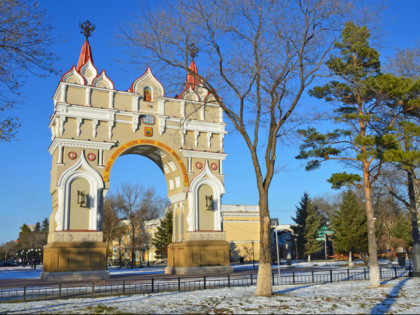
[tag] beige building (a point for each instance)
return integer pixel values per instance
(241, 223)
(145, 252)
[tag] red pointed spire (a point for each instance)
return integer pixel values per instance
(85, 55)
(191, 80)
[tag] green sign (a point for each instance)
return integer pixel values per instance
(320, 239)
(322, 233)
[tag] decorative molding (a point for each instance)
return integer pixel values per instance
(83, 144)
(79, 122)
(203, 155)
(73, 73)
(190, 215)
(206, 177)
(147, 75)
(103, 78)
(178, 197)
(62, 121)
(196, 135)
(236, 214)
(209, 136)
(88, 96)
(135, 103)
(111, 125)
(135, 123)
(111, 97)
(161, 106)
(95, 123)
(162, 124)
(80, 169)
(89, 71)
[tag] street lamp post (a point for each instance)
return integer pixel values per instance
(253, 260)
(297, 254)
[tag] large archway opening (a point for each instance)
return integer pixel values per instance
(134, 170)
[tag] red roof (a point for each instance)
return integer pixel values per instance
(191, 80)
(85, 55)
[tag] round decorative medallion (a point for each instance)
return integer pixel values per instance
(199, 165)
(91, 156)
(213, 166)
(72, 155)
(87, 73)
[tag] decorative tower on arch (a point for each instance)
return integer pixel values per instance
(92, 125)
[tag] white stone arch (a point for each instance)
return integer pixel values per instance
(81, 169)
(206, 177)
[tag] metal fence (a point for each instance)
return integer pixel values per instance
(52, 291)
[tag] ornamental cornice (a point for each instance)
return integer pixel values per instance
(85, 112)
(83, 144)
(203, 155)
(227, 214)
(180, 100)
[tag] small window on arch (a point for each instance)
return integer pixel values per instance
(147, 94)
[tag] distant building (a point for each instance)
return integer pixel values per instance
(241, 223)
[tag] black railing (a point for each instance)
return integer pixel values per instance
(52, 291)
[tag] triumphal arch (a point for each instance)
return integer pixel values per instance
(92, 125)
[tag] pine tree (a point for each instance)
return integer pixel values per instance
(45, 225)
(299, 228)
(402, 229)
(366, 108)
(163, 237)
(349, 226)
(313, 224)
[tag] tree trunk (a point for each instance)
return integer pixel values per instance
(414, 223)
(264, 281)
(372, 247)
(132, 247)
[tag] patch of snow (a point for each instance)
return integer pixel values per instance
(393, 296)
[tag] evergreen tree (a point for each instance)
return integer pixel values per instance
(366, 108)
(24, 236)
(163, 237)
(300, 219)
(45, 225)
(313, 224)
(37, 227)
(349, 226)
(402, 229)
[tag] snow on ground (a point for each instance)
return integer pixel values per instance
(352, 297)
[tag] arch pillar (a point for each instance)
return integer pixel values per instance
(75, 249)
(202, 246)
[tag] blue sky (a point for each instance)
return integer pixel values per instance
(25, 164)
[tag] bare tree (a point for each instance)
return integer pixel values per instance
(405, 63)
(24, 48)
(138, 204)
(111, 221)
(259, 57)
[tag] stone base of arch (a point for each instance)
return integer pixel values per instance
(198, 257)
(74, 261)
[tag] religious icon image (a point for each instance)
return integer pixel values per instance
(147, 94)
